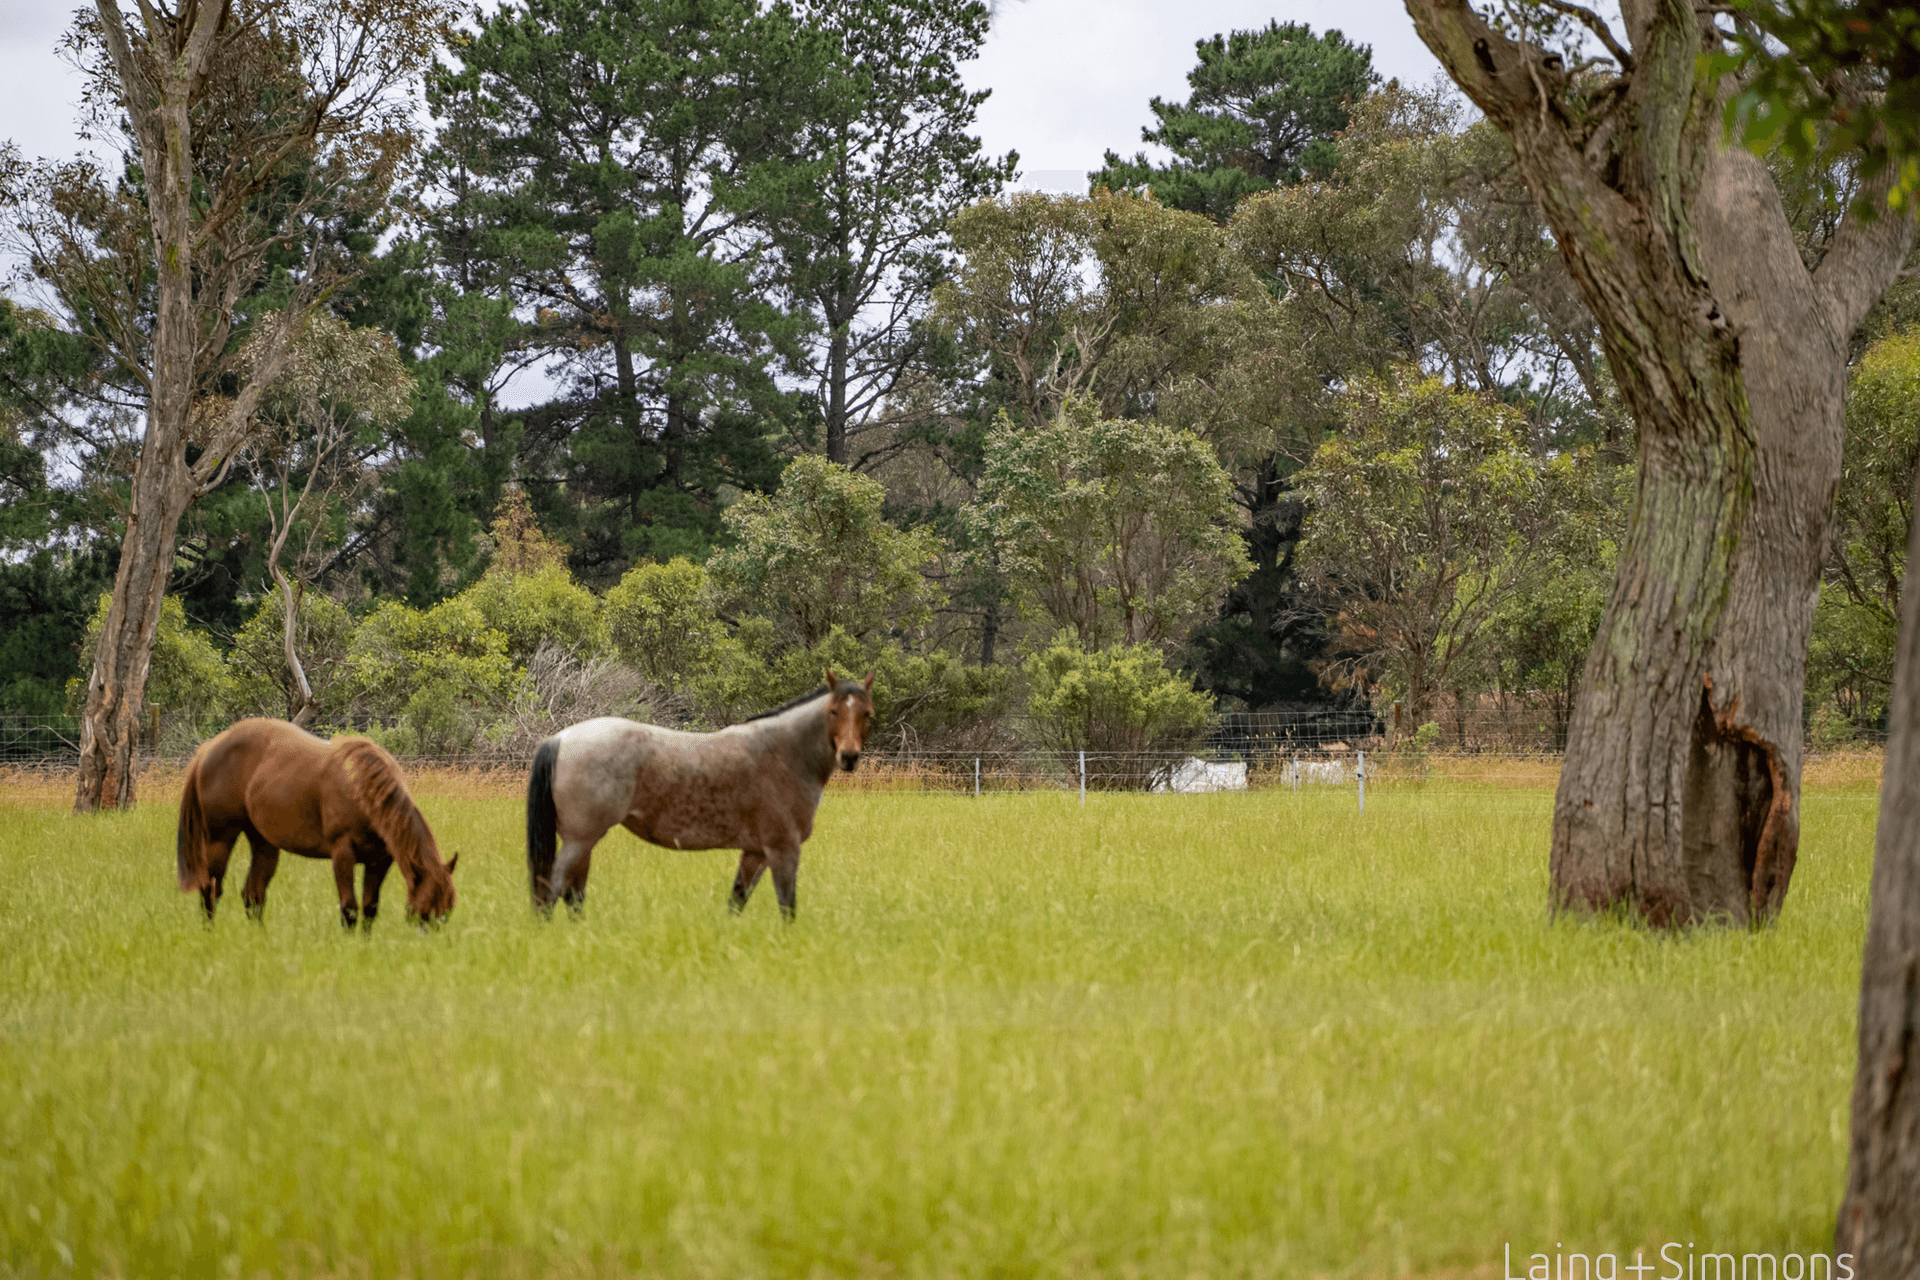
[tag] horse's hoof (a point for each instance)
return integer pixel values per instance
(348, 918)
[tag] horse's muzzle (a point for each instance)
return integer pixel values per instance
(848, 759)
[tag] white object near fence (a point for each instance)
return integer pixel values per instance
(976, 777)
(1360, 776)
(1195, 775)
(1331, 772)
(1083, 779)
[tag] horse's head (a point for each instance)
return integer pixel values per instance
(430, 893)
(849, 707)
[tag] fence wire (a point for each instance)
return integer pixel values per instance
(1308, 753)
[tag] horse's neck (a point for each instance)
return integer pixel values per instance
(802, 733)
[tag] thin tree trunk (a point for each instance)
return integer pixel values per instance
(1679, 799)
(1880, 1214)
(836, 408)
(307, 706)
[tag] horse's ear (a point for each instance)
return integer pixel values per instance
(833, 682)
(869, 682)
(452, 862)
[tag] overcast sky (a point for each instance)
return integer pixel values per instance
(1070, 78)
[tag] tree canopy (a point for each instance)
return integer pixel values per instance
(1265, 108)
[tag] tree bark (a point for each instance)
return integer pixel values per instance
(308, 706)
(836, 406)
(163, 484)
(1679, 798)
(203, 263)
(116, 687)
(1880, 1214)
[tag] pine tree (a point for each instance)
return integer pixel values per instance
(1264, 110)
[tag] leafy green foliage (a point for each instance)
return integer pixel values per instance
(625, 159)
(1429, 515)
(1824, 79)
(1115, 529)
(930, 699)
(819, 554)
(895, 161)
(1118, 699)
(431, 673)
(262, 685)
(1850, 665)
(1265, 109)
(188, 686)
(658, 620)
(1112, 296)
(543, 606)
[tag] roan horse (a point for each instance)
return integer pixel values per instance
(288, 790)
(752, 787)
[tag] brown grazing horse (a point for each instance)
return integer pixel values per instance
(286, 789)
(752, 787)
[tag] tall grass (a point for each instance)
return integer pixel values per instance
(1227, 1035)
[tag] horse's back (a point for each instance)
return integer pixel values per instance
(678, 789)
(256, 762)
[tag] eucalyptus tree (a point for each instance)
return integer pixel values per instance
(819, 554)
(1429, 516)
(338, 385)
(1119, 531)
(253, 133)
(895, 160)
(1679, 799)
(1111, 297)
(633, 154)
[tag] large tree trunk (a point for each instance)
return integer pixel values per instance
(1680, 795)
(1679, 799)
(164, 486)
(1880, 1215)
(123, 655)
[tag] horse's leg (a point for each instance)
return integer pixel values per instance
(343, 881)
(219, 849)
(786, 870)
(752, 864)
(570, 873)
(263, 862)
(378, 865)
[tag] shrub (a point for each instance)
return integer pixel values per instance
(1121, 699)
(438, 671)
(919, 701)
(536, 606)
(658, 620)
(261, 684)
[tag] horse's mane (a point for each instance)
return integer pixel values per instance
(374, 778)
(787, 706)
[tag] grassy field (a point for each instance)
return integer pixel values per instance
(1234, 1035)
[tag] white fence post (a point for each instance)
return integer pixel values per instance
(1083, 779)
(1360, 773)
(976, 777)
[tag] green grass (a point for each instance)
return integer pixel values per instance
(1238, 1035)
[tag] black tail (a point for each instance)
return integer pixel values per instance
(542, 823)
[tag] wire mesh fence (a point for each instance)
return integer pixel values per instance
(1302, 752)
